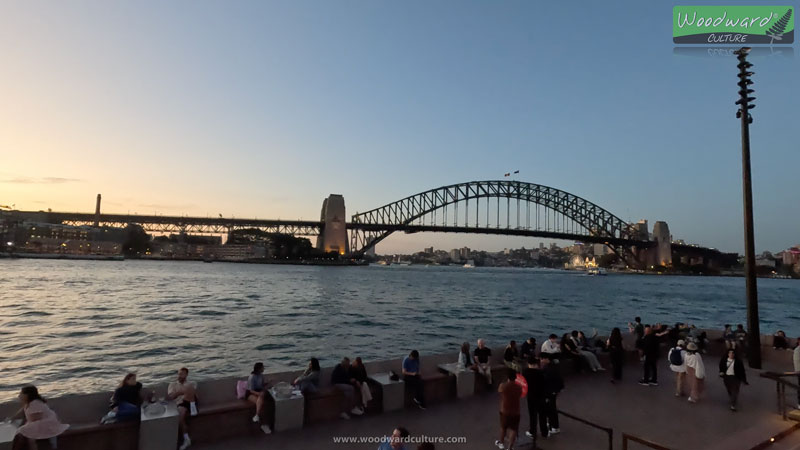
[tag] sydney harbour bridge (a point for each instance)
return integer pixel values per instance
(496, 207)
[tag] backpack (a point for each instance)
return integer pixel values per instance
(675, 357)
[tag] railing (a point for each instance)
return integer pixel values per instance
(629, 437)
(607, 430)
(780, 388)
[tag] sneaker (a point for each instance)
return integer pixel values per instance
(601, 369)
(653, 383)
(419, 404)
(798, 406)
(528, 433)
(555, 431)
(344, 416)
(356, 411)
(266, 429)
(691, 400)
(643, 383)
(677, 394)
(499, 445)
(186, 443)
(256, 419)
(111, 417)
(733, 408)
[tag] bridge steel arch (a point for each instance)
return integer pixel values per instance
(371, 227)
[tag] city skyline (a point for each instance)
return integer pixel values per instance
(207, 110)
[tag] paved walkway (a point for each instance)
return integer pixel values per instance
(652, 413)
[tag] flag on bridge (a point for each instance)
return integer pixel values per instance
(516, 171)
(507, 174)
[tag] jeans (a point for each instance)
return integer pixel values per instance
(536, 410)
(650, 369)
(349, 396)
(127, 411)
(414, 382)
(551, 411)
(617, 357)
(732, 385)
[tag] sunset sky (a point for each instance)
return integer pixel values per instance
(253, 108)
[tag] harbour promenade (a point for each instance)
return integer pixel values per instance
(466, 421)
(650, 412)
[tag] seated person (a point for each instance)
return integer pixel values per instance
(41, 422)
(779, 341)
(551, 348)
(359, 373)
(528, 349)
(481, 359)
(511, 356)
(256, 393)
(126, 402)
(308, 381)
(570, 350)
(579, 341)
(184, 392)
(342, 379)
(464, 359)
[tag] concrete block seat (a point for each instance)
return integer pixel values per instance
(325, 404)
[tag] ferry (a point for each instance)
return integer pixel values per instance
(596, 272)
(470, 264)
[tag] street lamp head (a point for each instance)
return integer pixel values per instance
(745, 74)
(744, 65)
(742, 51)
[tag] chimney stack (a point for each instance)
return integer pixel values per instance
(97, 213)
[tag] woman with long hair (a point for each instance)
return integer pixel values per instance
(126, 401)
(695, 372)
(616, 352)
(257, 392)
(308, 382)
(40, 421)
(359, 373)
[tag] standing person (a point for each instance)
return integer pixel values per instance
(511, 356)
(413, 378)
(535, 378)
(796, 362)
(528, 349)
(741, 338)
(308, 381)
(553, 384)
(40, 421)
(650, 350)
(677, 364)
(396, 441)
(481, 358)
(695, 372)
(184, 392)
(616, 352)
(551, 349)
(636, 328)
(256, 393)
(510, 393)
(342, 379)
(359, 373)
(733, 375)
(464, 359)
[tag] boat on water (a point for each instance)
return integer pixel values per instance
(384, 263)
(596, 272)
(470, 264)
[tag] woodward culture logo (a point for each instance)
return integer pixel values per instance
(733, 25)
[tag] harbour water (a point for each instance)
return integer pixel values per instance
(78, 326)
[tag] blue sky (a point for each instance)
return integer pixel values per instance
(264, 108)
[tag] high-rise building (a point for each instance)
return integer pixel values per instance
(428, 250)
(464, 253)
(455, 254)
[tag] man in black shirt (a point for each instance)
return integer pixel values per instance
(553, 384)
(481, 358)
(536, 405)
(650, 347)
(528, 349)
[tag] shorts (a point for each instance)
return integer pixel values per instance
(509, 422)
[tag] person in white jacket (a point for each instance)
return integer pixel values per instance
(679, 369)
(695, 372)
(796, 359)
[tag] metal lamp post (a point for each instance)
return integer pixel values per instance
(745, 105)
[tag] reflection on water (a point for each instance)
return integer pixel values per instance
(77, 326)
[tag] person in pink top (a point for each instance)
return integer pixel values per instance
(40, 421)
